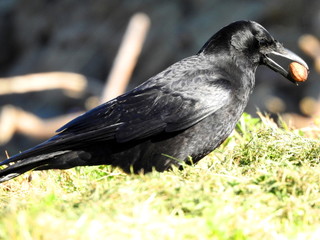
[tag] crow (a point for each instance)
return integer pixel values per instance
(177, 116)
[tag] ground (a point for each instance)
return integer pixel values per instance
(262, 183)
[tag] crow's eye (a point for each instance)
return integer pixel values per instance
(263, 43)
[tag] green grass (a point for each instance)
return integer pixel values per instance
(262, 183)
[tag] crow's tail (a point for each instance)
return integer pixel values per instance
(56, 160)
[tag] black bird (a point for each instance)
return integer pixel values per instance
(187, 110)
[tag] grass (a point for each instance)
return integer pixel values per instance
(262, 183)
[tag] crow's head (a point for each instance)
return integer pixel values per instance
(250, 42)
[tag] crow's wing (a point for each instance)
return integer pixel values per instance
(147, 111)
(159, 105)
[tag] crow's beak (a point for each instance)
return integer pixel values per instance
(285, 53)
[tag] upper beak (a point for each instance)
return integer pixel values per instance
(285, 53)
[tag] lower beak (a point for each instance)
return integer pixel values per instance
(287, 54)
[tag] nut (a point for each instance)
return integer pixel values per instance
(298, 72)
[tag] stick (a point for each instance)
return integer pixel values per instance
(14, 120)
(127, 56)
(73, 82)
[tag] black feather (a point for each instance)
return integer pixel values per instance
(188, 109)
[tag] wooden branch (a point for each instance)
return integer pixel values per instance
(71, 82)
(13, 119)
(127, 57)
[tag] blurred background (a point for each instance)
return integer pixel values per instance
(83, 37)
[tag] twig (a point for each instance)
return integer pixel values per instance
(72, 82)
(127, 56)
(14, 120)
